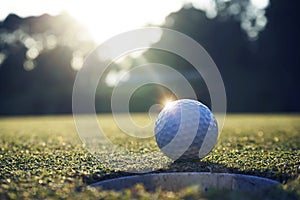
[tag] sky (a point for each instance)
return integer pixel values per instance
(113, 16)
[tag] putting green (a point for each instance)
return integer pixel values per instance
(43, 157)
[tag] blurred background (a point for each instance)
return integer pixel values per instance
(254, 43)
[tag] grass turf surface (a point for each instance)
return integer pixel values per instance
(43, 157)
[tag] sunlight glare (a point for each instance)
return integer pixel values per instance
(168, 103)
(103, 19)
(114, 17)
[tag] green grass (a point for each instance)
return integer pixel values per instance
(43, 157)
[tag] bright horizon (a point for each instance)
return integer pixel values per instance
(112, 16)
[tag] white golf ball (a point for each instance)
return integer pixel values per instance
(186, 130)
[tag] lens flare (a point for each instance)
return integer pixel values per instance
(168, 103)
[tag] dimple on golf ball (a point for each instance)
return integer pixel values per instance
(186, 130)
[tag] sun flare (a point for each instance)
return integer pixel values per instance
(109, 18)
(168, 103)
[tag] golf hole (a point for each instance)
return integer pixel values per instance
(177, 181)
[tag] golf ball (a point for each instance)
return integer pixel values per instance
(186, 130)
